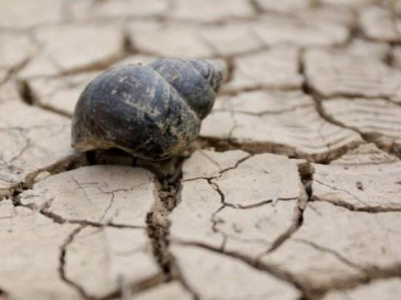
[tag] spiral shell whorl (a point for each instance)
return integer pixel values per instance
(196, 81)
(152, 112)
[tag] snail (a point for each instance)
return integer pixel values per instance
(153, 111)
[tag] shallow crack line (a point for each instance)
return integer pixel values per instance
(341, 190)
(213, 219)
(305, 177)
(270, 269)
(220, 173)
(215, 223)
(370, 272)
(63, 262)
(235, 126)
(292, 229)
(210, 159)
(230, 58)
(60, 220)
(256, 88)
(350, 95)
(27, 144)
(108, 208)
(366, 207)
(264, 113)
(351, 207)
(216, 187)
(333, 253)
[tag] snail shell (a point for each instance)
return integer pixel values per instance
(152, 112)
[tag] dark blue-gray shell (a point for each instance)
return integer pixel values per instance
(153, 112)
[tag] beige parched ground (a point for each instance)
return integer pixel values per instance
(293, 191)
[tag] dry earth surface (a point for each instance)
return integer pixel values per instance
(292, 191)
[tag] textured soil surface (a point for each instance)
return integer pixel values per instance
(292, 191)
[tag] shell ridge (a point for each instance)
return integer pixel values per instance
(202, 78)
(190, 81)
(175, 90)
(186, 104)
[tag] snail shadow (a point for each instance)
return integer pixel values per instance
(169, 168)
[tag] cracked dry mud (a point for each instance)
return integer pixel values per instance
(291, 192)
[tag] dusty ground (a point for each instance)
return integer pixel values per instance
(291, 193)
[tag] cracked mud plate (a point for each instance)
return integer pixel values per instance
(292, 191)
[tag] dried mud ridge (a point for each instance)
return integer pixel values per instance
(291, 191)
